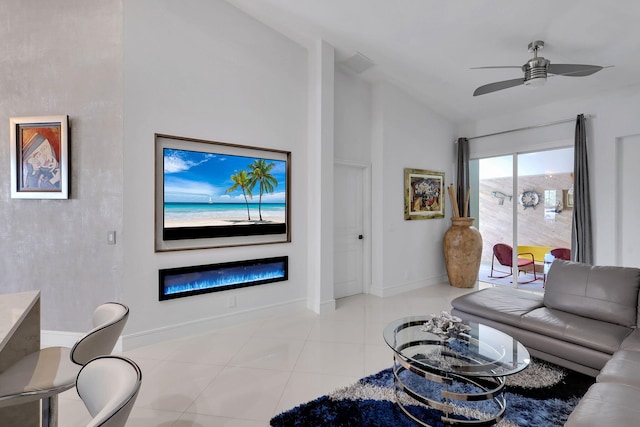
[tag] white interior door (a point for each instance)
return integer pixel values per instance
(348, 230)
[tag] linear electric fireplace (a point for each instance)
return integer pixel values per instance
(186, 281)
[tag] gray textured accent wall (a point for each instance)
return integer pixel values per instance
(65, 57)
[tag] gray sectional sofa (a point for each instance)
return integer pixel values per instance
(586, 321)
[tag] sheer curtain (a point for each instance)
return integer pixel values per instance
(463, 175)
(581, 240)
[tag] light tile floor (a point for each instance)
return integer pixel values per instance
(243, 375)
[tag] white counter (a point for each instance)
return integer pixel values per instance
(19, 336)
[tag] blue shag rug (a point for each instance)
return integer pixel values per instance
(541, 395)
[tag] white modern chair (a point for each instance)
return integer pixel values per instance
(46, 373)
(108, 386)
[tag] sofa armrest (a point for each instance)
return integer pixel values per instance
(632, 342)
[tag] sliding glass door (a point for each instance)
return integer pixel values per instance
(495, 217)
(524, 211)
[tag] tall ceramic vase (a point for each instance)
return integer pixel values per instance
(462, 252)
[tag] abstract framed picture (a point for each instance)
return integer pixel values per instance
(214, 194)
(39, 157)
(423, 194)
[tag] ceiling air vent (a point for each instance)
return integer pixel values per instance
(358, 63)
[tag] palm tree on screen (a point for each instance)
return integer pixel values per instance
(241, 180)
(260, 173)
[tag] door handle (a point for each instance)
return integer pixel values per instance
(360, 237)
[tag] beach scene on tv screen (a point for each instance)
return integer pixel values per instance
(204, 189)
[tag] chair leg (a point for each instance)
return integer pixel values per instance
(50, 411)
(492, 258)
(529, 281)
(498, 277)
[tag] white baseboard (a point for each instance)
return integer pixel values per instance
(327, 306)
(389, 291)
(199, 326)
(67, 339)
(152, 336)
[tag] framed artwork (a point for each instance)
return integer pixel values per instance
(39, 157)
(424, 194)
(568, 198)
(214, 194)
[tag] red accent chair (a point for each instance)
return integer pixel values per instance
(557, 253)
(504, 254)
(561, 253)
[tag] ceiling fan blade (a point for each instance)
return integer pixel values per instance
(497, 66)
(573, 70)
(493, 87)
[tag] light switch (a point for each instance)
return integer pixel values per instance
(111, 238)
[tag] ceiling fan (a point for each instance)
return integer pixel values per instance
(536, 70)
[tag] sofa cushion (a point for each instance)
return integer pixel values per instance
(622, 368)
(609, 294)
(595, 334)
(504, 305)
(607, 404)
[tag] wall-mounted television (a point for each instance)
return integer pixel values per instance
(214, 194)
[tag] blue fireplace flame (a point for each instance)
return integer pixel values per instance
(222, 277)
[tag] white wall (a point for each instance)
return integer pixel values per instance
(319, 170)
(353, 118)
(65, 58)
(206, 70)
(615, 116)
(203, 69)
(628, 176)
(406, 134)
(386, 128)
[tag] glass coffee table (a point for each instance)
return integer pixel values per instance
(461, 377)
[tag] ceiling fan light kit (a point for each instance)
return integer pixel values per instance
(536, 71)
(535, 82)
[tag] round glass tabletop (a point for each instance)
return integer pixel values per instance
(481, 351)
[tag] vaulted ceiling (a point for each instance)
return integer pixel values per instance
(428, 47)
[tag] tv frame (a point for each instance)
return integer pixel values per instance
(216, 236)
